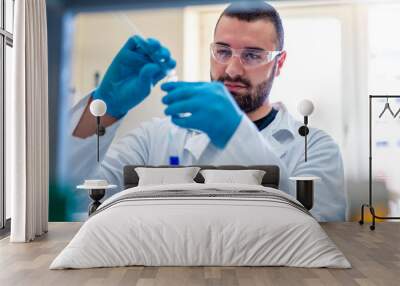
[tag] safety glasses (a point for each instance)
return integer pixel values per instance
(248, 57)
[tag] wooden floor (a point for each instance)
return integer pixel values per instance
(374, 255)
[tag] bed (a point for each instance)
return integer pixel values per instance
(201, 224)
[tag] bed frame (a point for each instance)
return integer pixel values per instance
(270, 179)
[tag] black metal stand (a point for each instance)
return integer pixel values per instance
(369, 205)
(303, 131)
(96, 195)
(100, 131)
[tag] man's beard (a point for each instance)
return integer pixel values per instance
(255, 96)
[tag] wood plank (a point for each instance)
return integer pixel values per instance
(374, 255)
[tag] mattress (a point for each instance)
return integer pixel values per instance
(201, 225)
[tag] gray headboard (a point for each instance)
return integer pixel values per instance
(270, 179)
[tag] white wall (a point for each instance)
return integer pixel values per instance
(331, 60)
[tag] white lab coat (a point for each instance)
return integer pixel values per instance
(278, 144)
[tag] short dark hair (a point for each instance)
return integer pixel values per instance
(251, 11)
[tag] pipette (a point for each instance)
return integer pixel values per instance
(171, 74)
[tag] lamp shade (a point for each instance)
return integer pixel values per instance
(98, 107)
(305, 107)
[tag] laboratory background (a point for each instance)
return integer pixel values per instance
(338, 53)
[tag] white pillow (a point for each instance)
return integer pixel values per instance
(248, 177)
(162, 176)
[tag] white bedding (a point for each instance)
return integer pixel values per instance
(182, 231)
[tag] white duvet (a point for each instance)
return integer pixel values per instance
(200, 231)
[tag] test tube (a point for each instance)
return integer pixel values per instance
(172, 76)
(173, 152)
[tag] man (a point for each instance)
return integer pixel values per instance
(237, 122)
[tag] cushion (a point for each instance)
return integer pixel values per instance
(162, 176)
(248, 177)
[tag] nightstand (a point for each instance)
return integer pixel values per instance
(96, 192)
(305, 190)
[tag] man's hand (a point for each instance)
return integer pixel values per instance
(212, 109)
(128, 80)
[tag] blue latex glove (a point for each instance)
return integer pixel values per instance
(213, 109)
(128, 80)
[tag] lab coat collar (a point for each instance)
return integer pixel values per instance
(283, 122)
(282, 130)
